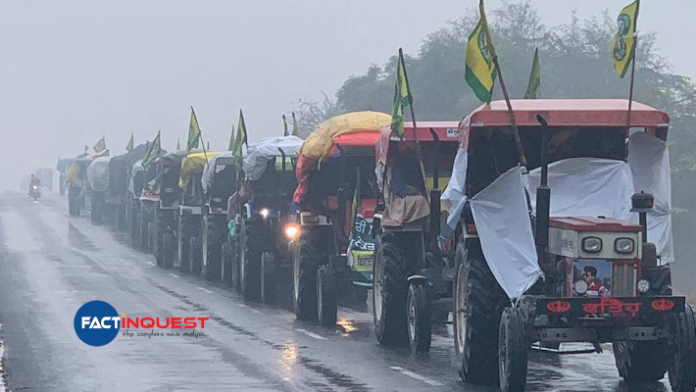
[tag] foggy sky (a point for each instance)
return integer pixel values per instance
(74, 70)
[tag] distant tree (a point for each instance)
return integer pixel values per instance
(311, 113)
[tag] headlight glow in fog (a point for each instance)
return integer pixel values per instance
(264, 212)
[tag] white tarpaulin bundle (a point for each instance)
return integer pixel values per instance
(505, 231)
(98, 174)
(262, 151)
(207, 176)
(648, 158)
(137, 168)
(586, 187)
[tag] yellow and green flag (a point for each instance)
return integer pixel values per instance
(295, 126)
(153, 151)
(100, 146)
(129, 146)
(623, 44)
(402, 97)
(534, 78)
(480, 71)
(194, 133)
(230, 145)
(285, 126)
(241, 138)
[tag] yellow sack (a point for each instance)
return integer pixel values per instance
(318, 142)
(193, 163)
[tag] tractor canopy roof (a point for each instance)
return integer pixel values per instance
(262, 151)
(349, 134)
(445, 131)
(192, 164)
(568, 113)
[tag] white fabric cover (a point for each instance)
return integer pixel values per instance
(454, 196)
(98, 174)
(207, 176)
(648, 158)
(505, 232)
(586, 187)
(137, 168)
(262, 151)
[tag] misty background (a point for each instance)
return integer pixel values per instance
(74, 70)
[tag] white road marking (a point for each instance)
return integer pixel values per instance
(242, 306)
(3, 387)
(417, 376)
(310, 334)
(173, 274)
(151, 263)
(204, 289)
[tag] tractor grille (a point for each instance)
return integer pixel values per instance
(623, 280)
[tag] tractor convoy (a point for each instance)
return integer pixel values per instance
(523, 227)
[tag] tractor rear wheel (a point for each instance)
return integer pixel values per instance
(168, 249)
(305, 265)
(682, 376)
(390, 291)
(227, 275)
(512, 351)
(478, 305)
(327, 296)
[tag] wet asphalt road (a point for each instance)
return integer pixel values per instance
(51, 264)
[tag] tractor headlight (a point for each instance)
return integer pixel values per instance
(624, 245)
(643, 286)
(292, 231)
(592, 245)
(264, 212)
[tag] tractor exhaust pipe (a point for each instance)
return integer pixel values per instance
(435, 191)
(543, 201)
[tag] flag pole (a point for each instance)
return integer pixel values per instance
(419, 151)
(518, 142)
(633, 74)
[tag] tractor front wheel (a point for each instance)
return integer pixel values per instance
(327, 296)
(419, 317)
(682, 376)
(512, 351)
(305, 265)
(268, 276)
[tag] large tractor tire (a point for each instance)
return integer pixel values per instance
(151, 236)
(327, 296)
(228, 274)
(646, 362)
(512, 351)
(97, 211)
(419, 308)
(479, 302)
(214, 232)
(253, 242)
(194, 259)
(187, 230)
(390, 291)
(74, 204)
(168, 249)
(305, 263)
(143, 233)
(134, 227)
(682, 376)
(268, 278)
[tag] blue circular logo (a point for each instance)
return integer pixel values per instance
(97, 323)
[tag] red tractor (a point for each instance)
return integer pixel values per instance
(336, 184)
(413, 276)
(574, 247)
